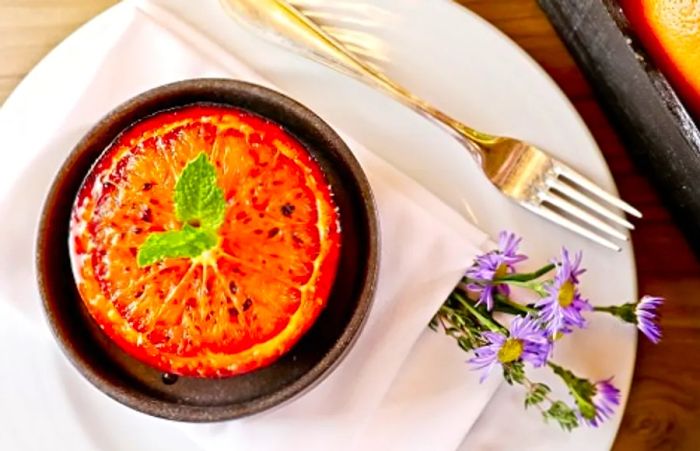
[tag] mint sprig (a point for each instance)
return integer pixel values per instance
(188, 242)
(200, 207)
(198, 199)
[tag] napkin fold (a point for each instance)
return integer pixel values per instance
(399, 387)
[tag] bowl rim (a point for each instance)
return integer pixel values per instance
(139, 400)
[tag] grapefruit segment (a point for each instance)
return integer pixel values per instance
(244, 302)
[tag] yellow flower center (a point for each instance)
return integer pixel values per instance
(511, 350)
(501, 271)
(566, 294)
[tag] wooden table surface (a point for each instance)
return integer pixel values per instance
(663, 412)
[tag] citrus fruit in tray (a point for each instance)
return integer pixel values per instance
(204, 241)
(670, 30)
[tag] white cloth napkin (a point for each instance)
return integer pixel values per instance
(399, 387)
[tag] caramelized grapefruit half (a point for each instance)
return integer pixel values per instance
(241, 304)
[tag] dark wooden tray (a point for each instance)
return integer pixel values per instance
(658, 131)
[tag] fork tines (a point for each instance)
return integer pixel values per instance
(573, 201)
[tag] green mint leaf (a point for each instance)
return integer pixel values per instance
(188, 242)
(199, 201)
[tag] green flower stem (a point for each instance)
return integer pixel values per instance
(538, 395)
(505, 305)
(532, 285)
(581, 389)
(503, 308)
(625, 312)
(446, 308)
(524, 280)
(489, 323)
(566, 375)
(526, 277)
(558, 370)
(460, 325)
(505, 301)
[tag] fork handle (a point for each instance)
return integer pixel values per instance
(303, 34)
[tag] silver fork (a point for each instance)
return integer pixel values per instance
(521, 171)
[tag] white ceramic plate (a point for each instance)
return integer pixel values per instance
(466, 67)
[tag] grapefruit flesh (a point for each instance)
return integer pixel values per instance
(238, 306)
(670, 31)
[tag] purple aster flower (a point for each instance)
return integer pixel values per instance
(493, 265)
(605, 399)
(647, 317)
(526, 341)
(563, 306)
(642, 313)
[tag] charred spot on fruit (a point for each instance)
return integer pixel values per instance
(247, 304)
(147, 215)
(147, 186)
(232, 287)
(273, 232)
(196, 223)
(232, 312)
(288, 209)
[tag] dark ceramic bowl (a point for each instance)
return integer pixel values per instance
(142, 387)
